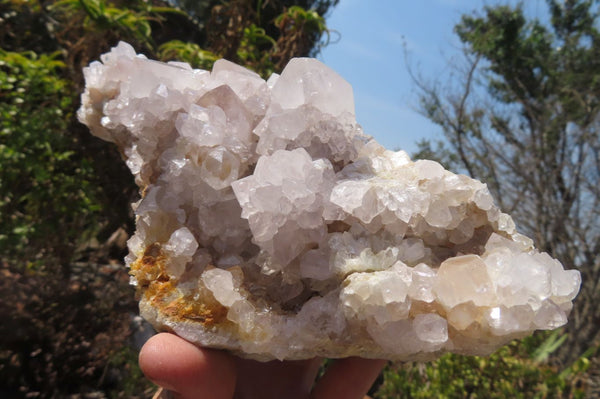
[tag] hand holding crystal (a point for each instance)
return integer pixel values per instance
(191, 372)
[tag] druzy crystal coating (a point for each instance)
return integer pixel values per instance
(270, 225)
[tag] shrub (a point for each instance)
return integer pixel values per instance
(517, 370)
(47, 201)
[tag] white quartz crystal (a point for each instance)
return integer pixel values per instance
(271, 226)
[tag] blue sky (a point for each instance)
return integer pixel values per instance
(370, 55)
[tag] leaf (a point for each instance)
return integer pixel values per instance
(547, 347)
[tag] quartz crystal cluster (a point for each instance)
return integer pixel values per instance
(270, 225)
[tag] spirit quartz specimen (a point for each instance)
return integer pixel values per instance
(270, 225)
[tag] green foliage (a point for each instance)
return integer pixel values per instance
(45, 192)
(296, 20)
(250, 52)
(246, 33)
(301, 32)
(131, 22)
(176, 50)
(303, 18)
(510, 372)
(519, 51)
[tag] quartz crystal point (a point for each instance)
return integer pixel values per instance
(270, 225)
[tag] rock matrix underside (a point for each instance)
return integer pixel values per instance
(270, 225)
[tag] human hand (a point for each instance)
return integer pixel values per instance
(197, 373)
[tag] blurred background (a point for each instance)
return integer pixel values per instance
(503, 91)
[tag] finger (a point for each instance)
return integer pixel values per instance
(288, 379)
(348, 378)
(194, 373)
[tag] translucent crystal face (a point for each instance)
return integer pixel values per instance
(270, 225)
